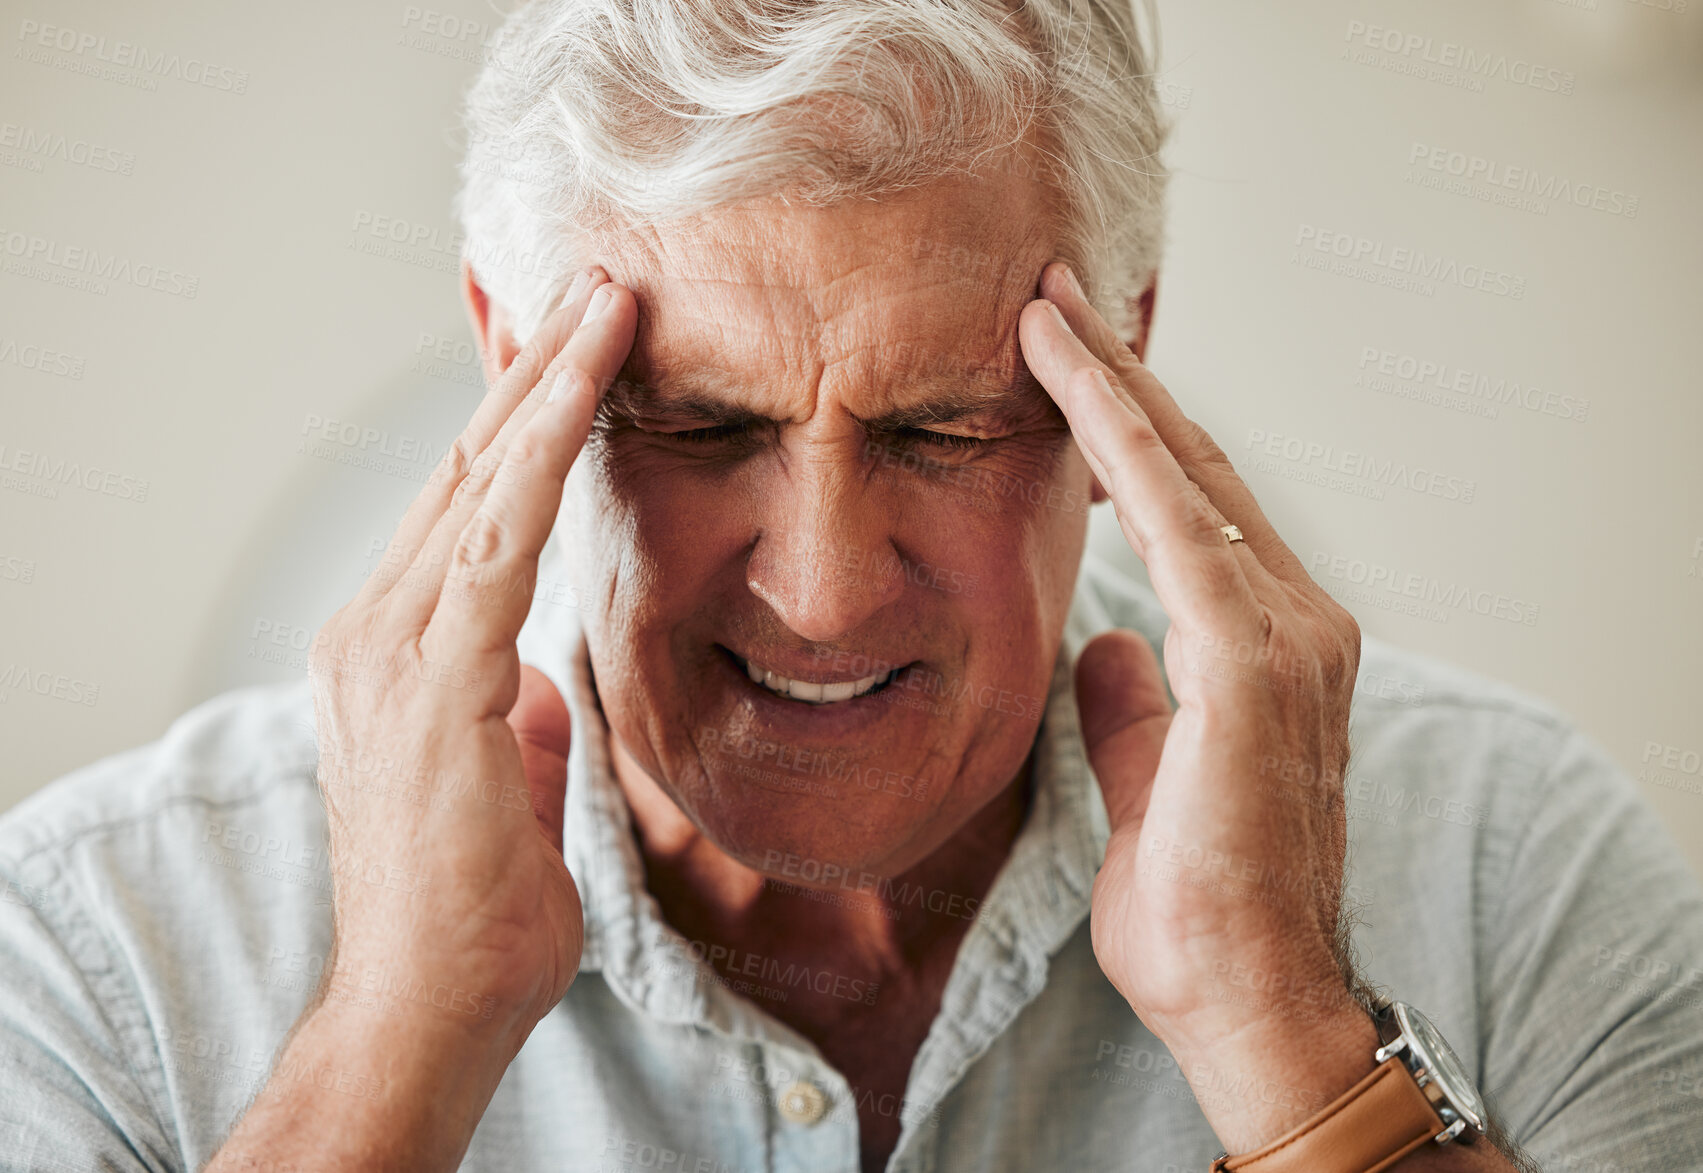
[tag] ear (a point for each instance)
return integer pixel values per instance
(492, 327)
(1141, 307)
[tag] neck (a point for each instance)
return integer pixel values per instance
(866, 930)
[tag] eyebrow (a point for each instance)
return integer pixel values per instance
(710, 404)
(633, 398)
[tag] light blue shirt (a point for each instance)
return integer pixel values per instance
(166, 910)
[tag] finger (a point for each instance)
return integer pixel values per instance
(493, 565)
(411, 609)
(1201, 458)
(1125, 716)
(494, 410)
(1168, 520)
(544, 730)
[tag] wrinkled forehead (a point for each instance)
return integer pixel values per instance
(857, 293)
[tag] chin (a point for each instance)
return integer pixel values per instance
(777, 821)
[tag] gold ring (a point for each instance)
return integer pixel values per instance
(1231, 533)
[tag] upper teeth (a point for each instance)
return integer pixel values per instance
(816, 693)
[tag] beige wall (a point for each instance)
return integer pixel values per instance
(1291, 128)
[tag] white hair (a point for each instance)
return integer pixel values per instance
(599, 114)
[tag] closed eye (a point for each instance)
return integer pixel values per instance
(708, 435)
(944, 439)
(726, 432)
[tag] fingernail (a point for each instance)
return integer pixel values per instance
(1098, 378)
(580, 278)
(559, 387)
(599, 301)
(1059, 318)
(1075, 285)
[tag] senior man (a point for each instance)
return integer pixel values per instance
(848, 821)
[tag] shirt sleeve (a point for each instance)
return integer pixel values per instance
(70, 1096)
(1592, 979)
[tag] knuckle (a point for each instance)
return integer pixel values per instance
(1139, 432)
(1200, 447)
(481, 541)
(457, 460)
(1267, 626)
(527, 451)
(1123, 359)
(1336, 623)
(1350, 645)
(1337, 656)
(477, 482)
(485, 467)
(575, 382)
(329, 636)
(1348, 626)
(337, 642)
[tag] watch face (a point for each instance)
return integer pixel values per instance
(1444, 1065)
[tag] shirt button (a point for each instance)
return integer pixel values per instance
(803, 1103)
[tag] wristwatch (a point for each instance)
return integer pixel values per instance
(1418, 1094)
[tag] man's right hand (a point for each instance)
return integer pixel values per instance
(442, 765)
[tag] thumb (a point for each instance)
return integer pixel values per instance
(543, 729)
(1120, 696)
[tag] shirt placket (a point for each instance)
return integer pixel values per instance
(813, 1123)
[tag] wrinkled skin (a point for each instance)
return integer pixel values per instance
(819, 547)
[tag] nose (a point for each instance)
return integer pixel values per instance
(824, 560)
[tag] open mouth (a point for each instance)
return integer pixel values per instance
(815, 692)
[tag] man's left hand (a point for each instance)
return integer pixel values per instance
(1216, 912)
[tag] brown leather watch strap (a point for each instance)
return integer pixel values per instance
(1367, 1129)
